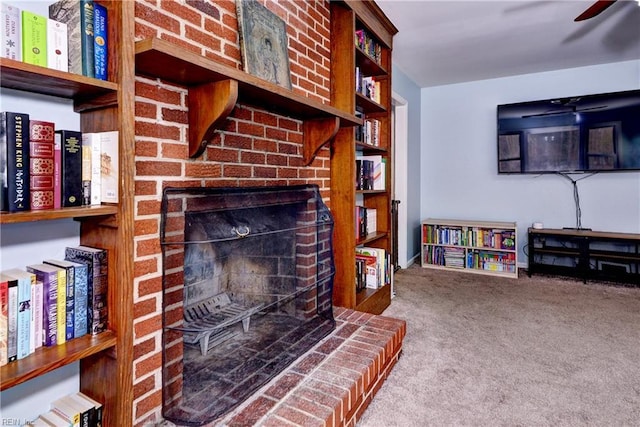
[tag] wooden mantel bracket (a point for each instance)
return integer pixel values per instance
(209, 106)
(317, 133)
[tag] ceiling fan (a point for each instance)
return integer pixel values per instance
(595, 9)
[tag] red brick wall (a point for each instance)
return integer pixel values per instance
(254, 148)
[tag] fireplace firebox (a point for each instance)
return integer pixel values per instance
(247, 289)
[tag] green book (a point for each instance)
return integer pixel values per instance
(34, 38)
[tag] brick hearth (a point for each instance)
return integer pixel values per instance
(333, 383)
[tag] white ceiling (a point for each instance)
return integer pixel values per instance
(447, 41)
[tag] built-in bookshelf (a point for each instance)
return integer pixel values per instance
(105, 359)
(361, 46)
(481, 247)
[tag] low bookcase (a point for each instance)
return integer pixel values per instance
(481, 247)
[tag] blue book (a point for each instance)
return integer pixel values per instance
(25, 281)
(97, 274)
(100, 47)
(71, 310)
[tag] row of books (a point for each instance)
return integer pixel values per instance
(48, 168)
(469, 236)
(368, 86)
(369, 132)
(371, 172)
(75, 409)
(50, 303)
(368, 45)
(366, 221)
(458, 257)
(373, 268)
(73, 38)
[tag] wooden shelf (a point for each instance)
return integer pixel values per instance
(371, 238)
(45, 215)
(370, 149)
(368, 105)
(47, 359)
(46, 81)
(214, 90)
(368, 65)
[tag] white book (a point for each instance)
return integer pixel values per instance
(92, 142)
(109, 172)
(11, 31)
(57, 46)
(37, 299)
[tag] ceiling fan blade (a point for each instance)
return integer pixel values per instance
(595, 9)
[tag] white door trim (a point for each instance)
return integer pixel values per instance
(401, 177)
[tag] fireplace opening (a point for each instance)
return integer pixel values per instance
(247, 288)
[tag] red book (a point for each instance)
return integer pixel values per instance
(41, 164)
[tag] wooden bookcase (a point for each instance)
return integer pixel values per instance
(481, 247)
(346, 18)
(105, 359)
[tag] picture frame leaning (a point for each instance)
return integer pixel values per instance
(263, 43)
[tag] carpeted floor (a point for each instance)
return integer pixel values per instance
(487, 351)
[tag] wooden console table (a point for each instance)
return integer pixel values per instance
(585, 254)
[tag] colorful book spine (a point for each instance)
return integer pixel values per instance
(80, 303)
(12, 326)
(61, 306)
(91, 142)
(86, 172)
(14, 131)
(4, 318)
(70, 311)
(96, 260)
(48, 275)
(78, 15)
(57, 46)
(36, 315)
(100, 45)
(25, 281)
(71, 164)
(97, 420)
(11, 17)
(57, 172)
(34, 38)
(109, 168)
(41, 161)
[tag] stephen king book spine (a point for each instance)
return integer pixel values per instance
(14, 135)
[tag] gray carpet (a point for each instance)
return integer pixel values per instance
(487, 351)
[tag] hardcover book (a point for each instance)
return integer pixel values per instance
(34, 38)
(109, 172)
(71, 297)
(78, 15)
(25, 281)
(57, 46)
(71, 165)
(14, 142)
(4, 318)
(41, 160)
(48, 275)
(86, 172)
(11, 31)
(61, 318)
(36, 315)
(91, 142)
(57, 172)
(96, 261)
(100, 42)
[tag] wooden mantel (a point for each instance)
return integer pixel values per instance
(214, 90)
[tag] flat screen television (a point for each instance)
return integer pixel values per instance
(588, 133)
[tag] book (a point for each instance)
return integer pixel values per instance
(57, 172)
(25, 281)
(100, 41)
(109, 173)
(96, 260)
(48, 275)
(70, 286)
(41, 161)
(34, 38)
(71, 167)
(37, 299)
(78, 16)
(14, 139)
(91, 158)
(66, 410)
(11, 17)
(12, 319)
(86, 408)
(53, 419)
(86, 172)
(57, 46)
(4, 320)
(97, 421)
(61, 317)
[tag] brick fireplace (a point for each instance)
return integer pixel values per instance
(255, 148)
